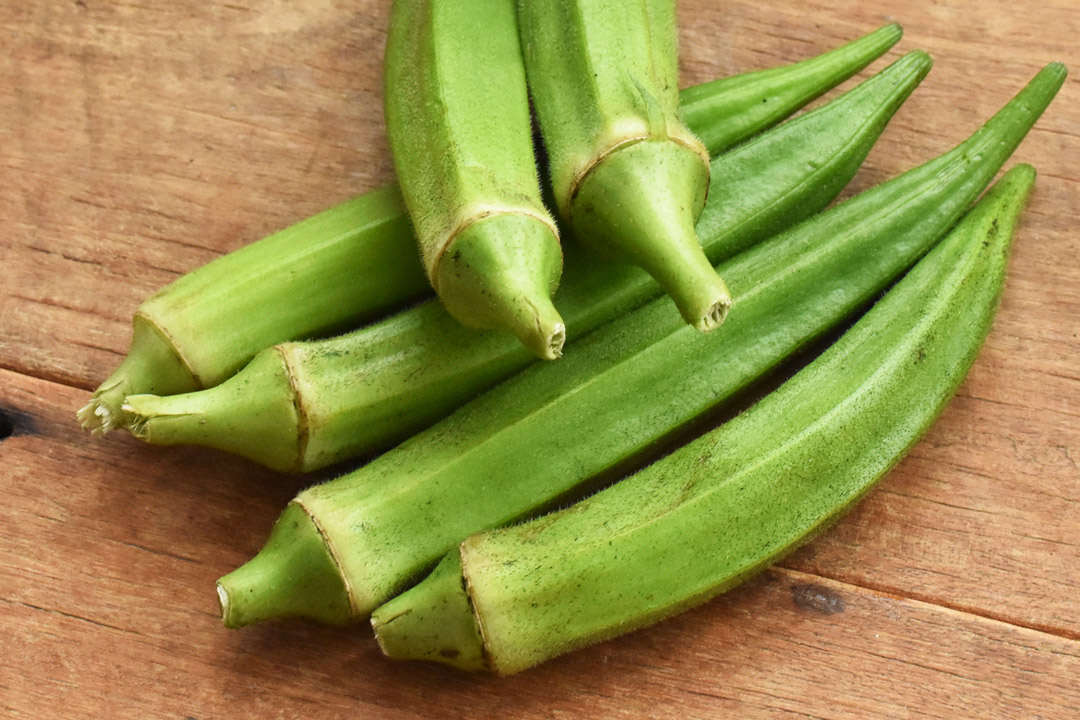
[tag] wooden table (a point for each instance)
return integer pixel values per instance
(140, 140)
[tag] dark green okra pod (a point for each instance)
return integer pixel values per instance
(303, 406)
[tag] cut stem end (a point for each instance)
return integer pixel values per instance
(295, 575)
(152, 365)
(715, 315)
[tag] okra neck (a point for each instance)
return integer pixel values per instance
(295, 575)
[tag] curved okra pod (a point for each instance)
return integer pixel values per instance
(457, 115)
(554, 431)
(300, 406)
(735, 500)
(628, 176)
(302, 282)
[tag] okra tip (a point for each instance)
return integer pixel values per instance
(1057, 69)
(500, 272)
(295, 575)
(639, 205)
(152, 364)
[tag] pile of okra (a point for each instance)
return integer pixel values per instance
(530, 336)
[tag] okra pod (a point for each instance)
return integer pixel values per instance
(554, 431)
(457, 115)
(733, 501)
(628, 176)
(302, 282)
(300, 406)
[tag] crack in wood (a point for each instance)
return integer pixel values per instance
(14, 422)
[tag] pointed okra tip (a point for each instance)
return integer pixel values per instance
(1048, 81)
(891, 32)
(295, 575)
(1057, 69)
(499, 272)
(639, 205)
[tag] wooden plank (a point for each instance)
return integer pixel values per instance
(771, 649)
(109, 551)
(981, 516)
(143, 140)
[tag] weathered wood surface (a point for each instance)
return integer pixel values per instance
(139, 141)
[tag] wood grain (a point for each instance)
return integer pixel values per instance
(142, 140)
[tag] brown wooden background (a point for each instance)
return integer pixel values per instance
(140, 140)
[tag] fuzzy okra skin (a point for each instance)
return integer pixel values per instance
(300, 406)
(201, 329)
(628, 176)
(732, 502)
(534, 442)
(457, 115)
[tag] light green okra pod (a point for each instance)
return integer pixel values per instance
(628, 176)
(732, 502)
(300, 406)
(457, 115)
(302, 282)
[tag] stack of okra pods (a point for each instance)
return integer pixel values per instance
(447, 540)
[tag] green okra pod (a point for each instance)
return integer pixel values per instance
(733, 501)
(457, 115)
(628, 176)
(554, 430)
(300, 406)
(302, 282)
